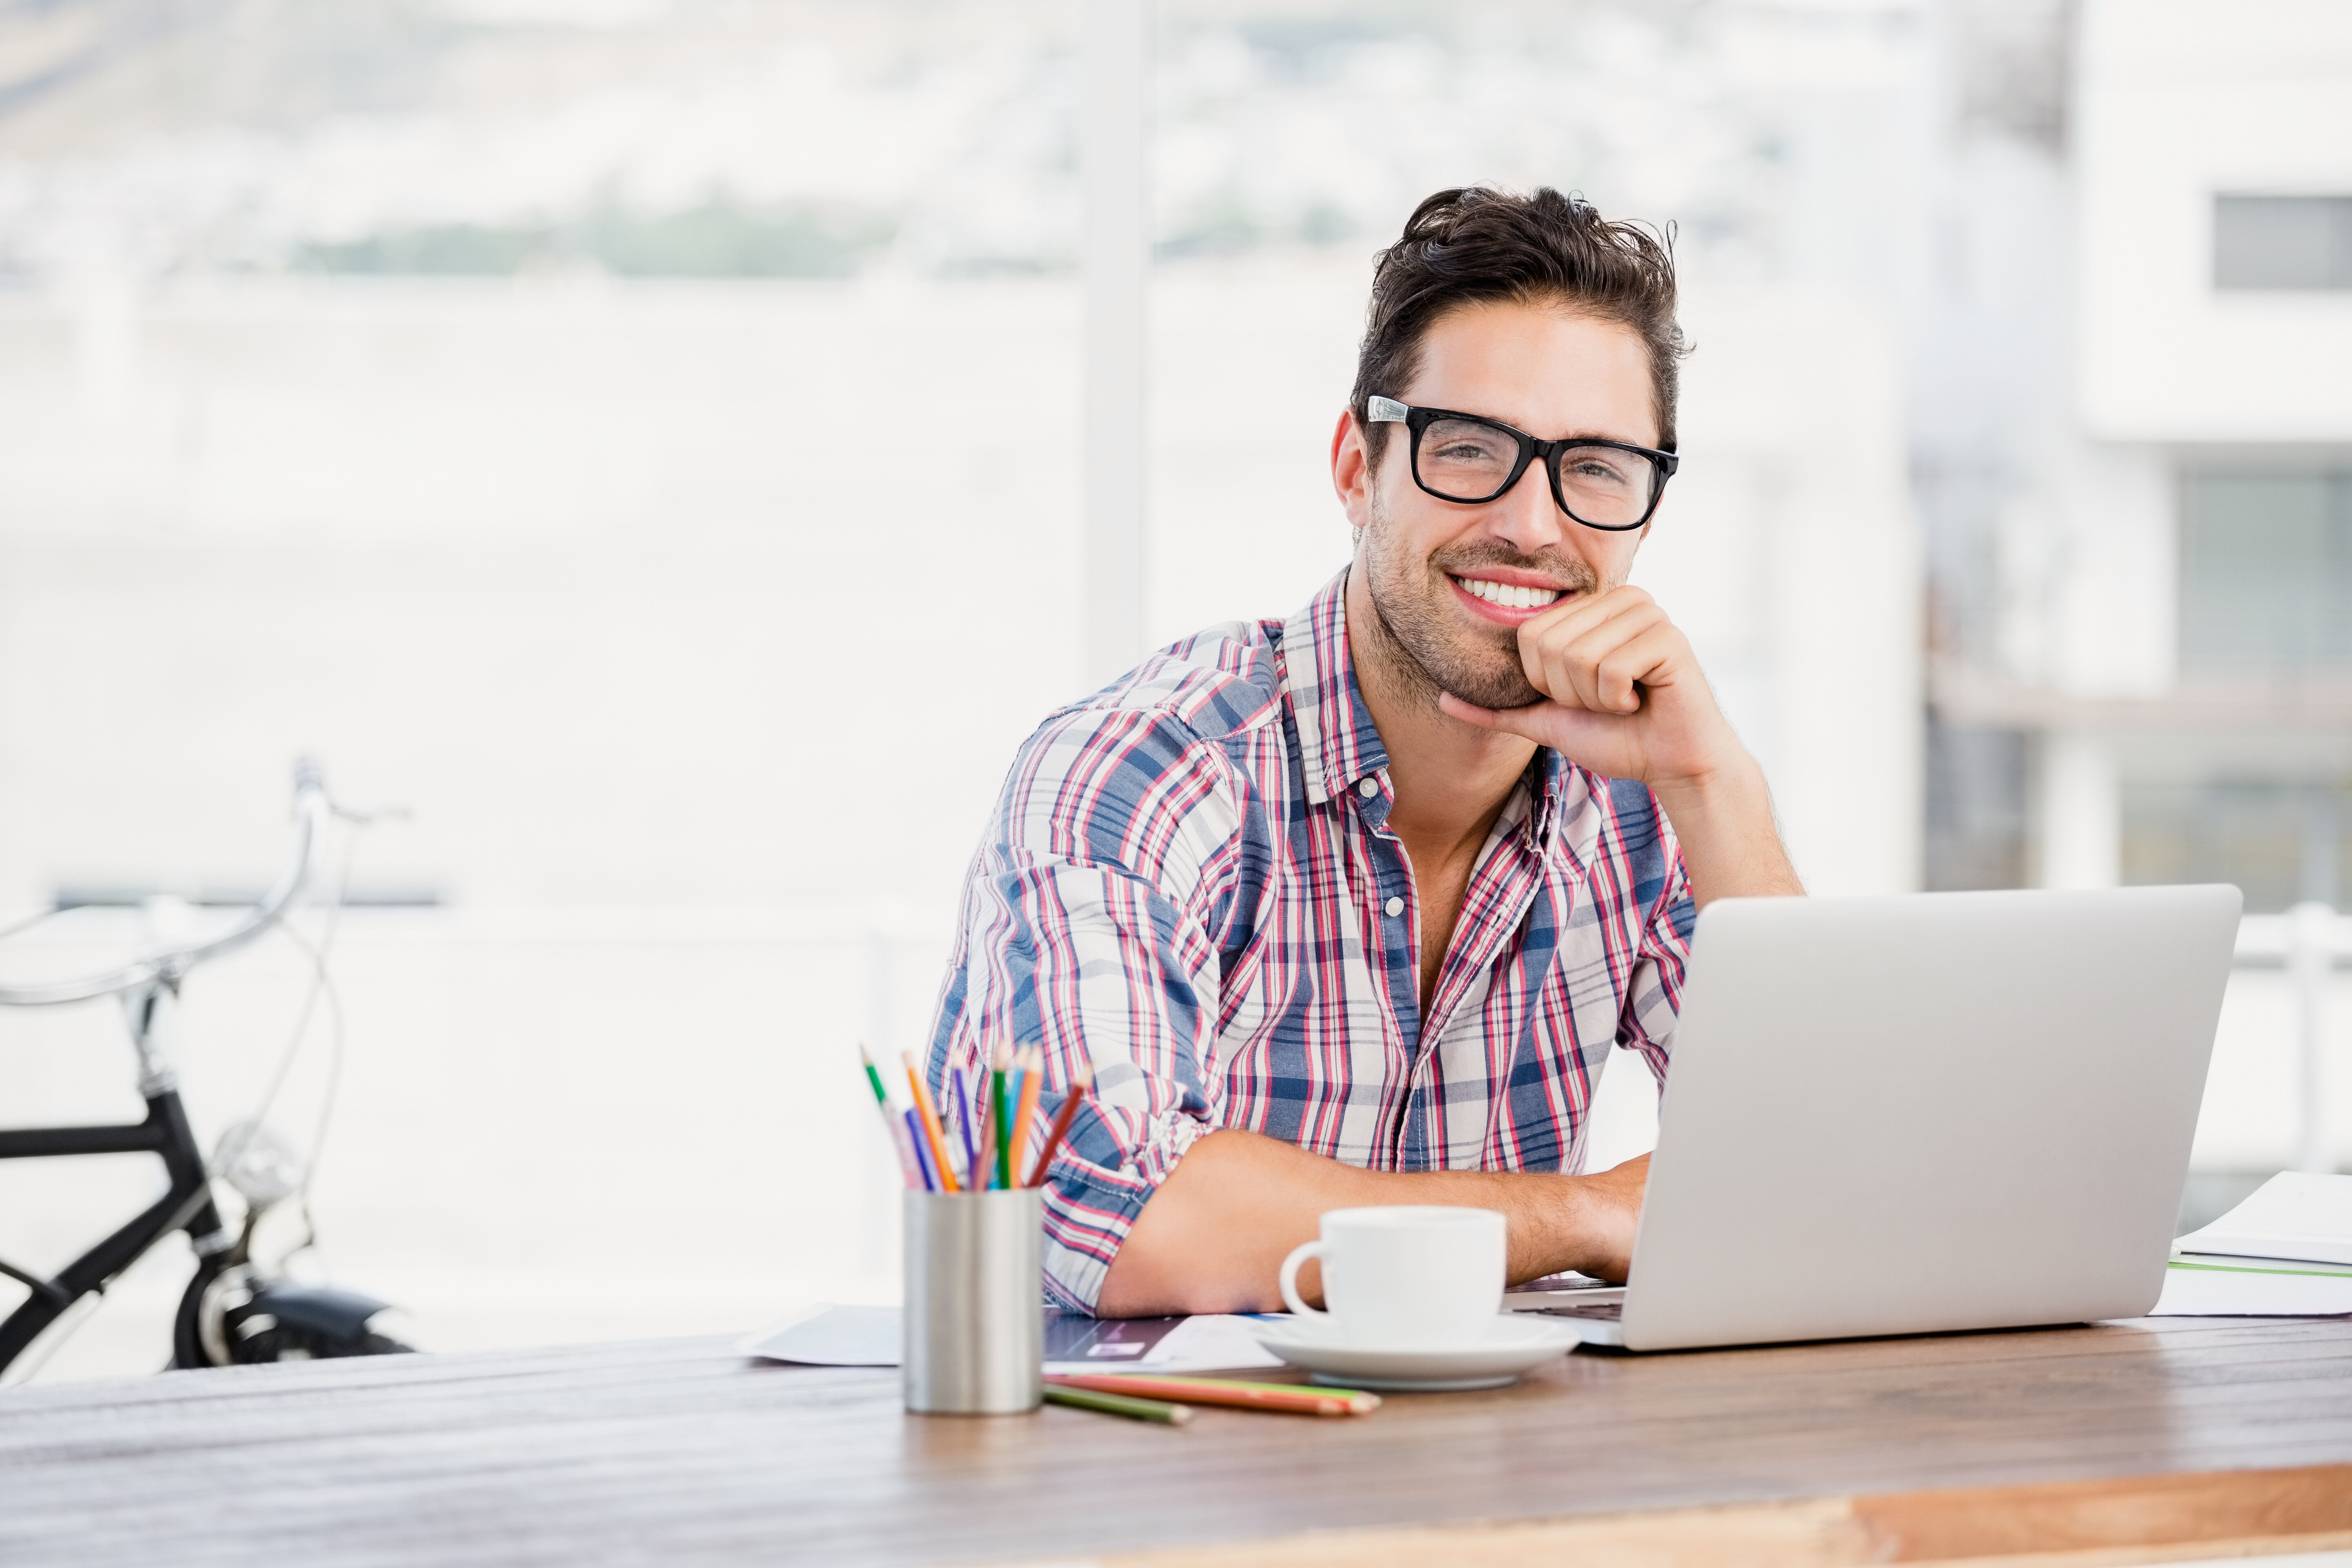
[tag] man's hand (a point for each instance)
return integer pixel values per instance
(1627, 697)
(1627, 700)
(1611, 1204)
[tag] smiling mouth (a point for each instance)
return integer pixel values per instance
(1508, 596)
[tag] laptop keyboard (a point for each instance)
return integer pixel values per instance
(1607, 1311)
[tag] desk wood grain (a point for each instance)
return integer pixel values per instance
(680, 1452)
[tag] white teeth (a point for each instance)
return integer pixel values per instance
(1511, 596)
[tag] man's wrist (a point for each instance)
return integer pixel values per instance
(1594, 1235)
(1734, 782)
(1730, 843)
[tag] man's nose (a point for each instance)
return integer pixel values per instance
(1524, 516)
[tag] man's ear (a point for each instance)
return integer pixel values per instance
(1351, 469)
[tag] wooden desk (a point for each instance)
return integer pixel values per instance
(682, 1452)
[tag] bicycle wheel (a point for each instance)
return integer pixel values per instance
(188, 1347)
(230, 1319)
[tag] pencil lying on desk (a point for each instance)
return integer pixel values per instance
(1288, 1397)
(1134, 1409)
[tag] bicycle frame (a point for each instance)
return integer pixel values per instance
(187, 1206)
(148, 987)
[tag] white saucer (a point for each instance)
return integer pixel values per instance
(1509, 1346)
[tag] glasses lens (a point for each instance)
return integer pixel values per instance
(1605, 487)
(1462, 459)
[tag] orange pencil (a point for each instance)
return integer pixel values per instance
(1273, 1396)
(1062, 1120)
(1032, 1078)
(931, 1132)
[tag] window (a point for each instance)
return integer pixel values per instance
(2266, 571)
(2282, 242)
(2280, 840)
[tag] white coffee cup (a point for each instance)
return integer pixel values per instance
(1411, 1276)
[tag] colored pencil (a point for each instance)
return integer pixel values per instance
(1288, 1397)
(1024, 1115)
(1134, 1409)
(873, 1078)
(930, 1115)
(1001, 1108)
(983, 1157)
(965, 1130)
(1062, 1120)
(891, 1126)
(916, 1142)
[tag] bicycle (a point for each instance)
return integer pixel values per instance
(233, 1310)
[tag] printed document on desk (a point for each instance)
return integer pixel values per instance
(825, 1335)
(1168, 1346)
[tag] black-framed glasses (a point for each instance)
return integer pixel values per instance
(1467, 457)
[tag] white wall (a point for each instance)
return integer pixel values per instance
(2179, 100)
(2081, 815)
(2252, 1115)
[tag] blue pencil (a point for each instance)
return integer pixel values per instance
(922, 1152)
(965, 1119)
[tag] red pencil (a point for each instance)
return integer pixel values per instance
(1062, 1120)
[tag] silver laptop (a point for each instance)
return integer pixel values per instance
(1906, 1115)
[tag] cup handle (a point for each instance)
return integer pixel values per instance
(1298, 1255)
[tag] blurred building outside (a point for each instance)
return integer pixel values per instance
(2141, 659)
(688, 533)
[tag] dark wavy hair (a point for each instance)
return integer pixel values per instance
(1474, 245)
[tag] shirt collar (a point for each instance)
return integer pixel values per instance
(1340, 744)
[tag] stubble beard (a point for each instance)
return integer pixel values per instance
(1418, 635)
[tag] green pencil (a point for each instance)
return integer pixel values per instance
(1124, 1405)
(873, 1076)
(1004, 1126)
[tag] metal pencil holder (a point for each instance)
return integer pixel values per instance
(975, 1318)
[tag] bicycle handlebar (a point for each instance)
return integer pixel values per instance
(311, 807)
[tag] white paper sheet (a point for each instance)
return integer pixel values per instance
(827, 1335)
(2293, 1216)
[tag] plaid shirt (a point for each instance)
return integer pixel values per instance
(1190, 883)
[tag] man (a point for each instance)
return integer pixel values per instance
(1349, 909)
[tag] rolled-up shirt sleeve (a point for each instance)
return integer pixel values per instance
(1653, 994)
(1086, 929)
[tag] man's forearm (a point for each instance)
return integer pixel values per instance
(1212, 1236)
(1731, 847)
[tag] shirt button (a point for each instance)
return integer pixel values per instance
(1367, 787)
(1396, 906)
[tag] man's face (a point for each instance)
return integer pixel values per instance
(1433, 567)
